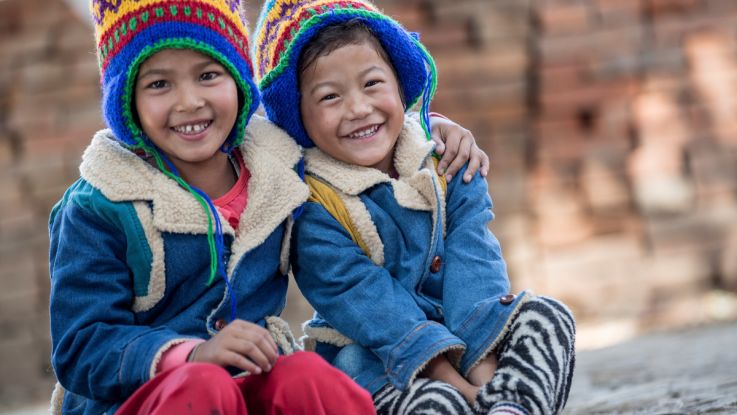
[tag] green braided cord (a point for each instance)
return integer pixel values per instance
(185, 185)
(433, 85)
(180, 43)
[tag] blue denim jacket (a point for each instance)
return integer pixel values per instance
(129, 265)
(433, 282)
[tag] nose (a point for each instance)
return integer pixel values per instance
(358, 107)
(188, 99)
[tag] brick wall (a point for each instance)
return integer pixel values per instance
(48, 109)
(610, 124)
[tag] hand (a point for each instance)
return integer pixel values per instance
(457, 146)
(482, 373)
(440, 369)
(241, 344)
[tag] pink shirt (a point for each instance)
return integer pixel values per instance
(232, 204)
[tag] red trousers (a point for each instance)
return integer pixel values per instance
(302, 383)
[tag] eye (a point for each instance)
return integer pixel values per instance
(158, 84)
(329, 97)
(372, 83)
(209, 76)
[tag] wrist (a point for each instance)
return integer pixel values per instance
(193, 353)
(437, 114)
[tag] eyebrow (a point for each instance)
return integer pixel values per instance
(160, 71)
(360, 74)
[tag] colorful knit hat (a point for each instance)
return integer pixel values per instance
(129, 31)
(285, 27)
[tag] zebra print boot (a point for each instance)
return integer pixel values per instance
(533, 376)
(536, 360)
(423, 397)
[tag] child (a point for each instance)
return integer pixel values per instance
(409, 285)
(172, 247)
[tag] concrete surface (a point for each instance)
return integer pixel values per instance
(690, 371)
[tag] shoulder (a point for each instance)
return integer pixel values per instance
(264, 138)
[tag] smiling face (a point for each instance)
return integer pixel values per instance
(351, 105)
(187, 104)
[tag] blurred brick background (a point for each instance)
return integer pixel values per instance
(612, 126)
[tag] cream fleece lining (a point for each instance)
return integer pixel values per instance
(157, 279)
(415, 189)
(325, 335)
(527, 296)
(274, 189)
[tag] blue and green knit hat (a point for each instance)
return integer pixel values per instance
(129, 31)
(285, 27)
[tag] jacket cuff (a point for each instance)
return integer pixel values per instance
(176, 355)
(486, 327)
(425, 342)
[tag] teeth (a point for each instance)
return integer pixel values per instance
(191, 128)
(365, 133)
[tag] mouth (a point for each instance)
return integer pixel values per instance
(193, 128)
(364, 132)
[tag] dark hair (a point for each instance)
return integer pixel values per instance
(335, 36)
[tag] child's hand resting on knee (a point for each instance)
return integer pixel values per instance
(240, 344)
(440, 369)
(482, 373)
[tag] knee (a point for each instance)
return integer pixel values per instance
(203, 377)
(309, 371)
(303, 367)
(305, 383)
(552, 310)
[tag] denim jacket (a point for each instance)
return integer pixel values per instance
(433, 281)
(129, 265)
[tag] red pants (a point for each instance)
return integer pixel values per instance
(302, 383)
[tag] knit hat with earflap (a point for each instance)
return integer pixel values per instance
(129, 31)
(285, 27)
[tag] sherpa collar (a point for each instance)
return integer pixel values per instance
(410, 155)
(274, 189)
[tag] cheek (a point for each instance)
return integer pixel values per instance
(313, 118)
(149, 112)
(233, 98)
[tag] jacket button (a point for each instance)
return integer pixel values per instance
(436, 263)
(507, 299)
(220, 324)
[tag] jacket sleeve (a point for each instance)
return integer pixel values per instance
(98, 349)
(475, 274)
(362, 300)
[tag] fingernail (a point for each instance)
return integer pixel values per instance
(448, 177)
(268, 368)
(467, 178)
(257, 371)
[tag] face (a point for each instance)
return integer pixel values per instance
(351, 106)
(187, 103)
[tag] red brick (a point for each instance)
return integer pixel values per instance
(564, 18)
(467, 68)
(614, 13)
(601, 44)
(18, 277)
(484, 96)
(666, 8)
(567, 105)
